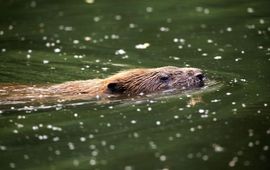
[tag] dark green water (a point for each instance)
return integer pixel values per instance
(47, 41)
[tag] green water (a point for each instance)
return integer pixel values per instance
(47, 41)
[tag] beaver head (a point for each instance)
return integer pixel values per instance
(144, 81)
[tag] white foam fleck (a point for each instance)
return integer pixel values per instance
(250, 10)
(120, 52)
(142, 46)
(57, 50)
(217, 57)
(133, 121)
(162, 158)
(89, 1)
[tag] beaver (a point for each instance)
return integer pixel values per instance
(126, 83)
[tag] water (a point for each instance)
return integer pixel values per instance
(222, 127)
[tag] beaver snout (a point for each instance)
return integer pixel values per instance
(200, 76)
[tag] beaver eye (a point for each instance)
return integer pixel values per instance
(164, 78)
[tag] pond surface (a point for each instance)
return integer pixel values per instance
(224, 127)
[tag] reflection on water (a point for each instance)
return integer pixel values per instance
(224, 125)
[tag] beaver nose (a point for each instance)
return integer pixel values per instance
(200, 76)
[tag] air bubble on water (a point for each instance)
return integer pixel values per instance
(164, 29)
(149, 9)
(128, 167)
(199, 127)
(243, 105)
(12, 165)
(112, 147)
(35, 127)
(152, 145)
(57, 50)
(55, 139)
(76, 41)
(250, 132)
(82, 139)
(96, 18)
(217, 148)
(201, 111)
(103, 143)
(190, 155)
(205, 157)
(114, 36)
(75, 114)
(250, 144)
(89, 1)
(149, 109)
(228, 93)
(25, 156)
(92, 162)
(217, 57)
(94, 153)
(162, 158)
(135, 135)
(138, 109)
(104, 68)
(175, 116)
(233, 161)
(120, 52)
(266, 148)
(250, 10)
(3, 50)
(204, 54)
(118, 17)
(33, 4)
(76, 162)
(10, 27)
(46, 61)
(91, 136)
(158, 123)
(210, 41)
(132, 25)
(199, 9)
(71, 146)
(2, 32)
(42, 137)
(142, 46)
(206, 11)
(3, 148)
(192, 129)
(133, 121)
(169, 20)
(178, 135)
(215, 100)
(87, 38)
(229, 29)
(237, 59)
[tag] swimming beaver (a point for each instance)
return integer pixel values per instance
(126, 83)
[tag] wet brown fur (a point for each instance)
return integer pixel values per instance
(130, 82)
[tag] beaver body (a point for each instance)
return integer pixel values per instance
(126, 83)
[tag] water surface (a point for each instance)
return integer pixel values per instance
(47, 42)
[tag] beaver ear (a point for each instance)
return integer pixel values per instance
(115, 87)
